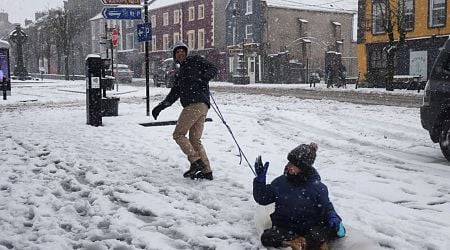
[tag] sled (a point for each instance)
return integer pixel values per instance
(353, 240)
(165, 123)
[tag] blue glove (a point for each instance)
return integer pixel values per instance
(261, 170)
(341, 232)
(335, 223)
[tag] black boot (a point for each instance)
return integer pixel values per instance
(196, 166)
(201, 175)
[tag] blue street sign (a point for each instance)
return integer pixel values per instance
(144, 32)
(121, 13)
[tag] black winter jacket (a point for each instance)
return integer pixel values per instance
(191, 82)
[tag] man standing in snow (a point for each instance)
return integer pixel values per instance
(191, 86)
(304, 217)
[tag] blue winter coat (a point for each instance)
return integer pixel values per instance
(191, 81)
(298, 205)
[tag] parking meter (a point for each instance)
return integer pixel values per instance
(5, 76)
(93, 91)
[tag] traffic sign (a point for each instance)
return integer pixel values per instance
(116, 2)
(144, 32)
(115, 37)
(121, 13)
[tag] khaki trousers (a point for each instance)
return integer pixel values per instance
(192, 120)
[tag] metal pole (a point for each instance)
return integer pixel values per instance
(4, 88)
(112, 63)
(244, 67)
(106, 41)
(147, 63)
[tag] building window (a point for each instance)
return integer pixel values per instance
(176, 16)
(249, 7)
(201, 11)
(249, 33)
(176, 37)
(130, 41)
(407, 8)
(153, 20)
(165, 19)
(437, 13)
(153, 43)
(377, 59)
(201, 38)
(191, 39)
(378, 10)
(166, 42)
(94, 29)
(191, 13)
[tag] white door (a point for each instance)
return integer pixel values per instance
(251, 69)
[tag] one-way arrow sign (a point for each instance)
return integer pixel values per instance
(144, 32)
(121, 13)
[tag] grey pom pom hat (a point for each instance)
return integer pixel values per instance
(303, 156)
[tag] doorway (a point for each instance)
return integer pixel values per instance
(251, 69)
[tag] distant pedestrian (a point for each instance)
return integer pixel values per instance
(304, 217)
(191, 85)
(342, 75)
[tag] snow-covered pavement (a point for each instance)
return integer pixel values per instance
(67, 185)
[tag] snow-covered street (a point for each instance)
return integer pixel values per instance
(67, 185)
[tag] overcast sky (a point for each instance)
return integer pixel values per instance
(18, 10)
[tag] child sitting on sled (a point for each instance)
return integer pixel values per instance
(304, 217)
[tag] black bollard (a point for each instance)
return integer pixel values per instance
(93, 91)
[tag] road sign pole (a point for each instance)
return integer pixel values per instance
(147, 62)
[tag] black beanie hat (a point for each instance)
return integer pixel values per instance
(303, 156)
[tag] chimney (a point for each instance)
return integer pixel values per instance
(28, 21)
(3, 17)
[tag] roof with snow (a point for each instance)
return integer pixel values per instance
(164, 3)
(97, 17)
(350, 6)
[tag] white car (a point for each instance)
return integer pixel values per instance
(123, 73)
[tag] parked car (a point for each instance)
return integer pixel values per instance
(123, 73)
(435, 112)
(165, 74)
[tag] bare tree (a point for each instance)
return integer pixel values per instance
(66, 25)
(46, 40)
(394, 21)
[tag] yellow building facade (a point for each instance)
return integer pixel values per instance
(427, 28)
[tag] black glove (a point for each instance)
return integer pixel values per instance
(160, 107)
